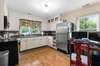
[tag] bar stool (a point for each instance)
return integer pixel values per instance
(77, 58)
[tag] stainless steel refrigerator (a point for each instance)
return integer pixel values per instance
(63, 33)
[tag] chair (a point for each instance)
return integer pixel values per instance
(4, 58)
(77, 58)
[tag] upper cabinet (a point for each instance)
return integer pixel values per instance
(53, 22)
(13, 23)
(1, 23)
(3, 15)
(7, 21)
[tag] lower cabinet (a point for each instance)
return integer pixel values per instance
(12, 46)
(23, 44)
(29, 43)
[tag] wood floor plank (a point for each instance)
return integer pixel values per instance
(45, 56)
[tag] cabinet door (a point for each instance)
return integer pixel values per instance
(44, 41)
(37, 42)
(50, 41)
(23, 45)
(13, 23)
(30, 43)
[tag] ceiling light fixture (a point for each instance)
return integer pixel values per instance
(46, 6)
(45, 3)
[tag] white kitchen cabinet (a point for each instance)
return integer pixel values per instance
(13, 23)
(23, 44)
(50, 41)
(45, 40)
(29, 43)
(1, 14)
(32, 43)
(1, 17)
(1, 23)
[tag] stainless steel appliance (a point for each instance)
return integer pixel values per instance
(4, 58)
(63, 33)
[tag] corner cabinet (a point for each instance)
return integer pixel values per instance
(30, 43)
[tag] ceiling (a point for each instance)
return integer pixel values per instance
(54, 7)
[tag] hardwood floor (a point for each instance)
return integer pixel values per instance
(45, 56)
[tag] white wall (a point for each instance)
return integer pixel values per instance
(89, 10)
(14, 17)
(95, 8)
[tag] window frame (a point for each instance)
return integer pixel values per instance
(97, 23)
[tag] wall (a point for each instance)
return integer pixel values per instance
(83, 11)
(14, 17)
(72, 16)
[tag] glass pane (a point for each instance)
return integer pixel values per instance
(29, 26)
(88, 23)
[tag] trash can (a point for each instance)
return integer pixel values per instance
(4, 58)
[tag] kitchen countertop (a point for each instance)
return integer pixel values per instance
(26, 36)
(7, 40)
(18, 37)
